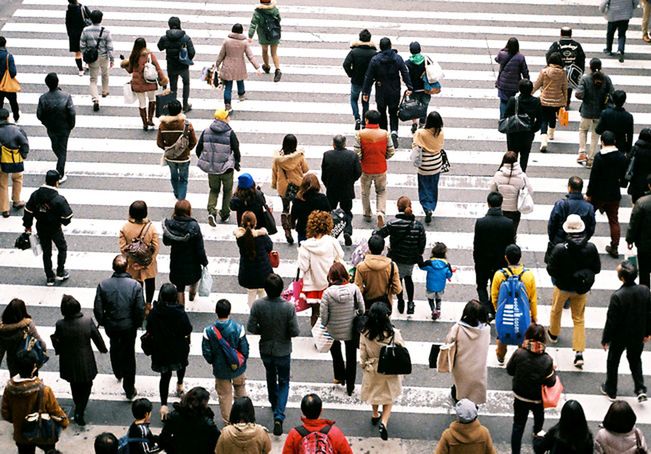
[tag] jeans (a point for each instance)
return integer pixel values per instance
(13, 102)
(380, 182)
(503, 104)
(224, 388)
(179, 174)
(428, 191)
(388, 99)
(31, 449)
(277, 369)
(46, 238)
(348, 371)
(123, 356)
(80, 395)
(612, 212)
(100, 65)
(520, 142)
(577, 307)
(483, 278)
(634, 356)
(520, 414)
(215, 182)
(346, 204)
(59, 140)
(228, 90)
(173, 75)
(16, 189)
(355, 91)
(621, 26)
(548, 118)
(588, 125)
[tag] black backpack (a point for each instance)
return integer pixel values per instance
(271, 27)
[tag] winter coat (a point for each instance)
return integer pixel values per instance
(469, 438)
(373, 147)
(573, 203)
(339, 305)
(172, 43)
(71, 341)
(187, 256)
(142, 430)
(528, 280)
(131, 231)
(340, 169)
(438, 272)
(56, 111)
(606, 175)
(553, 443)
(512, 70)
(373, 277)
(530, 371)
(571, 52)
(257, 22)
(91, 35)
(231, 57)
(509, 181)
(138, 82)
(119, 305)
(274, 319)
(385, 69)
(619, 121)
(378, 389)
(357, 61)
(469, 370)
(301, 209)
(170, 129)
(641, 168)
(51, 220)
(416, 74)
(287, 168)
(629, 316)
(640, 224)
(244, 438)
(4, 54)
(11, 336)
(315, 257)
(218, 149)
(170, 329)
(593, 98)
(529, 105)
(576, 254)
(256, 205)
(254, 271)
(13, 137)
(607, 442)
(213, 353)
(20, 398)
(552, 80)
(335, 436)
(75, 24)
(493, 233)
(618, 10)
(185, 431)
(406, 239)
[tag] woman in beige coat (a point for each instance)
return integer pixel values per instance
(233, 66)
(242, 435)
(378, 389)
(138, 225)
(553, 81)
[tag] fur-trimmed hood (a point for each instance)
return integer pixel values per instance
(363, 44)
(167, 119)
(271, 5)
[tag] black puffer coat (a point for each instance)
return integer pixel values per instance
(493, 233)
(172, 43)
(188, 255)
(641, 168)
(357, 61)
(640, 224)
(301, 209)
(576, 254)
(406, 239)
(530, 371)
(170, 328)
(188, 432)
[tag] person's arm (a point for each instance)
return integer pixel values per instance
(199, 148)
(406, 78)
(532, 293)
(249, 55)
(348, 64)
(580, 90)
(71, 113)
(601, 124)
(422, 240)
(612, 320)
(252, 325)
(52, 407)
(254, 24)
(357, 170)
(629, 134)
(162, 43)
(539, 81)
(66, 213)
(28, 213)
(594, 171)
(221, 56)
(395, 286)
(390, 148)
(590, 223)
(596, 261)
(235, 148)
(274, 174)
(39, 109)
(358, 147)
(12, 66)
(552, 266)
(564, 85)
(243, 345)
(97, 338)
(109, 44)
(162, 78)
(325, 171)
(206, 347)
(201, 250)
(293, 322)
(23, 147)
(369, 78)
(633, 224)
(498, 278)
(98, 310)
(324, 305)
(34, 333)
(138, 307)
(524, 69)
(554, 220)
(512, 364)
(190, 46)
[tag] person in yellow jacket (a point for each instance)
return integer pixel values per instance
(513, 254)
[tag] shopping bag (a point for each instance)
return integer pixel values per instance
(338, 221)
(551, 395)
(563, 117)
(322, 338)
(163, 100)
(35, 242)
(205, 284)
(128, 94)
(294, 294)
(416, 156)
(274, 259)
(525, 200)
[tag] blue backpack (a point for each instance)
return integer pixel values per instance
(513, 316)
(124, 443)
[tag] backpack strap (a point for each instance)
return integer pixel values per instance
(143, 231)
(302, 431)
(523, 271)
(325, 429)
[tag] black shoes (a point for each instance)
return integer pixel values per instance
(384, 434)
(612, 251)
(278, 427)
(410, 307)
(95, 106)
(187, 108)
(62, 275)
(401, 306)
(428, 217)
(611, 397)
(277, 75)
(608, 52)
(414, 128)
(348, 241)
(376, 419)
(621, 57)
(358, 125)
(394, 138)
(266, 68)
(79, 420)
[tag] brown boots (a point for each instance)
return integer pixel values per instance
(143, 117)
(286, 222)
(148, 117)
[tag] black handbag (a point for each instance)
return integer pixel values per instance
(359, 322)
(515, 123)
(292, 189)
(147, 343)
(394, 360)
(39, 427)
(22, 242)
(162, 103)
(411, 108)
(338, 222)
(269, 221)
(445, 162)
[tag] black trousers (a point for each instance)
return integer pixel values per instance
(123, 356)
(634, 356)
(46, 238)
(388, 99)
(620, 26)
(346, 204)
(483, 279)
(521, 411)
(515, 217)
(31, 449)
(59, 140)
(520, 142)
(348, 371)
(644, 267)
(13, 102)
(173, 75)
(80, 395)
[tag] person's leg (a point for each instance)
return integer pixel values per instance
(386, 413)
(284, 365)
(241, 90)
(173, 76)
(129, 361)
(365, 182)
(525, 150)
(577, 307)
(622, 26)
(151, 97)
(251, 294)
(265, 56)
(184, 175)
(272, 384)
(26, 449)
(520, 414)
(481, 279)
(314, 316)
(610, 35)
(503, 104)
(185, 77)
(94, 72)
(558, 300)
(338, 367)
(355, 91)
(393, 105)
(239, 386)
(424, 195)
(584, 125)
(174, 178)
(45, 240)
(227, 195)
(615, 351)
(351, 365)
(381, 101)
(214, 183)
(150, 288)
(164, 386)
(228, 90)
(381, 194)
(634, 357)
(16, 187)
(612, 212)
(594, 138)
(274, 55)
(115, 347)
(62, 251)
(569, 98)
(60, 148)
(409, 286)
(13, 102)
(538, 417)
(4, 192)
(500, 350)
(646, 12)
(644, 267)
(346, 204)
(224, 390)
(104, 66)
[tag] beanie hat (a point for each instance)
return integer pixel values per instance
(414, 47)
(466, 411)
(245, 181)
(221, 114)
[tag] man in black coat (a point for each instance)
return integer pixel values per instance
(628, 327)
(355, 65)
(520, 142)
(617, 120)
(120, 308)
(174, 40)
(493, 233)
(638, 233)
(340, 169)
(57, 113)
(573, 59)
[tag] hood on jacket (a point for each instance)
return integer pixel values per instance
(167, 119)
(270, 5)
(608, 149)
(175, 34)
(576, 240)
(240, 231)
(363, 45)
(23, 386)
(473, 332)
(439, 264)
(321, 246)
(465, 433)
(316, 424)
(179, 228)
(289, 161)
(237, 36)
(240, 435)
(169, 311)
(388, 55)
(376, 262)
(219, 127)
(506, 170)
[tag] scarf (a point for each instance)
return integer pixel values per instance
(425, 139)
(417, 58)
(534, 346)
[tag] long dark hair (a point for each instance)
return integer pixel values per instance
(434, 122)
(309, 185)
(509, 158)
(598, 78)
(378, 325)
(247, 196)
(242, 411)
(15, 312)
(248, 223)
(138, 46)
(512, 46)
(572, 427)
(289, 144)
(196, 401)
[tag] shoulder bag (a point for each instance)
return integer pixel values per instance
(411, 108)
(323, 340)
(525, 200)
(394, 359)
(176, 150)
(433, 71)
(416, 155)
(551, 395)
(84, 15)
(269, 222)
(40, 427)
(91, 54)
(9, 84)
(516, 122)
(639, 449)
(292, 189)
(445, 162)
(184, 57)
(359, 322)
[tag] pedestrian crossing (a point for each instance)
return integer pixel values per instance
(112, 162)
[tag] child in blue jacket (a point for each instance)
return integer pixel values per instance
(438, 272)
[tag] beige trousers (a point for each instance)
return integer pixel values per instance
(16, 188)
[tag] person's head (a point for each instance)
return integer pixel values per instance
(319, 223)
(385, 43)
(378, 324)
(223, 309)
(439, 250)
(572, 424)
(72, 2)
(245, 181)
(52, 81)
(555, 59)
(536, 332)
(365, 36)
(513, 254)
(182, 208)
(607, 138)
(525, 87)
(138, 210)
(338, 275)
(221, 115)
(645, 135)
(575, 184)
(595, 65)
(434, 122)
(4, 114)
(249, 220)
(404, 205)
(414, 48)
(566, 32)
(52, 177)
(273, 285)
(242, 411)
(311, 406)
(573, 225)
(474, 313)
(372, 117)
(626, 272)
(15, 312)
(70, 307)
(237, 28)
(106, 443)
(96, 16)
(26, 361)
(618, 97)
(141, 409)
(120, 264)
(168, 294)
(3, 41)
(174, 22)
(512, 46)
(466, 411)
(620, 418)
(246, 241)
(376, 244)
(290, 142)
(598, 79)
(494, 199)
(196, 400)
(174, 107)
(309, 185)
(509, 159)
(339, 142)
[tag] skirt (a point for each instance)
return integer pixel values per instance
(73, 42)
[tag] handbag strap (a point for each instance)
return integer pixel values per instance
(99, 38)
(39, 399)
(143, 231)
(298, 274)
(390, 279)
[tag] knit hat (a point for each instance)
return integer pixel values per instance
(414, 47)
(221, 114)
(466, 411)
(573, 224)
(245, 181)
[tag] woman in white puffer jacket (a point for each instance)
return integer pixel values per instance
(509, 181)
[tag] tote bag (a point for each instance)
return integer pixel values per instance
(551, 395)
(322, 338)
(128, 94)
(525, 200)
(9, 84)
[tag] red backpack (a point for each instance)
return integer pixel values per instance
(315, 442)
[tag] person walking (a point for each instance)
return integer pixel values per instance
(138, 65)
(340, 169)
(594, 91)
(51, 211)
(571, 434)
(15, 323)
(175, 43)
(429, 141)
(287, 171)
(14, 140)
(232, 66)
(377, 276)
(407, 241)
(72, 342)
(98, 37)
(573, 59)
(616, 119)
(340, 302)
(57, 113)
(77, 17)
(356, 64)
(416, 66)
(639, 224)
(466, 434)
(646, 12)
(520, 142)
(242, 435)
(248, 197)
(513, 68)
(229, 378)
(274, 319)
(552, 82)
(106, 443)
(120, 308)
(572, 203)
(618, 432)
(254, 246)
(182, 233)
(7, 63)
(618, 13)
(309, 199)
(628, 327)
(384, 70)
(266, 21)
(509, 180)
(641, 165)
(439, 272)
(572, 266)
(374, 146)
(219, 156)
